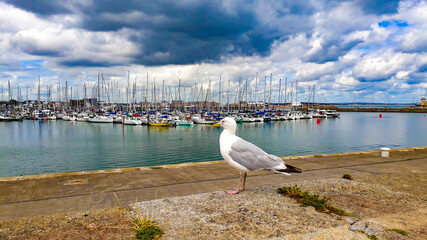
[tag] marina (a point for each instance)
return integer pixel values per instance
(37, 147)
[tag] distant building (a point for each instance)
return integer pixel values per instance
(423, 101)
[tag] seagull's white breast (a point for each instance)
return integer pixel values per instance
(226, 140)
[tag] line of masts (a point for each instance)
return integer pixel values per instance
(110, 92)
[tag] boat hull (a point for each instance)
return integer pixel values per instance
(153, 124)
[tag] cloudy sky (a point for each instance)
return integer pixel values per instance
(352, 51)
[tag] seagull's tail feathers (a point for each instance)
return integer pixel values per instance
(282, 167)
(288, 169)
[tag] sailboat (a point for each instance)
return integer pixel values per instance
(101, 119)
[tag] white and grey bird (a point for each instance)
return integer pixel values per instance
(245, 156)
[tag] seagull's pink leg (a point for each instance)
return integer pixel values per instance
(241, 186)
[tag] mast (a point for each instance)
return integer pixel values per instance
(163, 91)
(228, 96)
(269, 98)
(58, 92)
(219, 94)
(246, 94)
(255, 92)
(286, 91)
(239, 94)
(280, 90)
(66, 92)
(265, 90)
(179, 94)
(146, 94)
(314, 90)
(207, 93)
(296, 91)
(10, 91)
(38, 92)
(127, 93)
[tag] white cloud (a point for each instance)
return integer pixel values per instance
(402, 74)
(382, 66)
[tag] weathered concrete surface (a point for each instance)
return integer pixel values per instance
(53, 193)
(380, 203)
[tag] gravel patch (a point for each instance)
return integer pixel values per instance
(261, 213)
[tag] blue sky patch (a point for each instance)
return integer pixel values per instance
(31, 64)
(399, 23)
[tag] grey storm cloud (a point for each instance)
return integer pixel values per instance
(188, 32)
(330, 53)
(379, 6)
(41, 7)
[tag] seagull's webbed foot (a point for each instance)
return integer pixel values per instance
(241, 186)
(234, 191)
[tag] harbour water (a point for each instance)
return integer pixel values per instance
(38, 147)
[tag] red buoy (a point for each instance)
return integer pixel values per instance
(381, 115)
(318, 121)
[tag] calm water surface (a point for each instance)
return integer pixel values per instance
(35, 147)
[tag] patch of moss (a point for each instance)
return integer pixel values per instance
(347, 176)
(398, 231)
(307, 199)
(372, 237)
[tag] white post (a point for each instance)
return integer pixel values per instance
(385, 152)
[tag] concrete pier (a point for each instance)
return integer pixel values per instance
(26, 196)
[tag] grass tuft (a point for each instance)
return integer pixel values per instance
(398, 231)
(347, 176)
(307, 199)
(372, 237)
(145, 227)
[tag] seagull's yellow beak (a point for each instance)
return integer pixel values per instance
(216, 125)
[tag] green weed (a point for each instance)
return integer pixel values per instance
(146, 228)
(398, 231)
(307, 199)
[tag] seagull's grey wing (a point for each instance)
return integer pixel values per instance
(253, 157)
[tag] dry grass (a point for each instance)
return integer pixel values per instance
(109, 223)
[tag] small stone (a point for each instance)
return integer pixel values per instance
(350, 220)
(91, 226)
(358, 226)
(336, 216)
(369, 228)
(373, 228)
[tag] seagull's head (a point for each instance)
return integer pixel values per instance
(227, 123)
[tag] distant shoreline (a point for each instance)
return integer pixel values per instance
(385, 109)
(376, 109)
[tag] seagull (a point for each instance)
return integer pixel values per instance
(245, 156)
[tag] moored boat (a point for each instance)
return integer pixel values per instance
(101, 119)
(158, 124)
